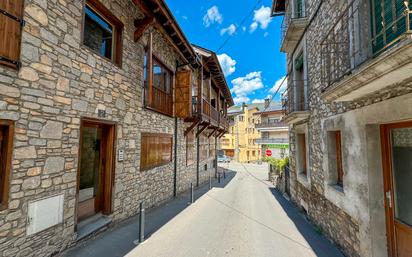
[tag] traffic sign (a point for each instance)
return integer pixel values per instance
(268, 152)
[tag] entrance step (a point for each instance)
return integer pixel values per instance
(91, 225)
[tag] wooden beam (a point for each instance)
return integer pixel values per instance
(202, 129)
(142, 6)
(149, 68)
(212, 132)
(141, 26)
(194, 124)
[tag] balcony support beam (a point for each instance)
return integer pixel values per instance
(194, 124)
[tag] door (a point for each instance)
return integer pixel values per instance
(95, 176)
(397, 166)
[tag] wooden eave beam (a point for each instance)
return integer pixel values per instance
(194, 124)
(141, 26)
(212, 133)
(202, 129)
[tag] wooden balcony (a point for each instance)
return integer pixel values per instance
(159, 101)
(223, 122)
(210, 113)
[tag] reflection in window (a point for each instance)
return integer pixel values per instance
(161, 77)
(98, 33)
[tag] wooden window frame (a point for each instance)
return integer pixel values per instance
(339, 165)
(107, 15)
(302, 152)
(15, 64)
(145, 167)
(5, 161)
(148, 83)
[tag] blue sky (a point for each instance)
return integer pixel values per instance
(251, 58)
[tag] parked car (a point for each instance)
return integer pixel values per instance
(223, 158)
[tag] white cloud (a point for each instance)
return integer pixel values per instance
(184, 17)
(243, 86)
(241, 99)
(212, 16)
(261, 17)
(230, 30)
(279, 84)
(227, 63)
(258, 101)
(243, 28)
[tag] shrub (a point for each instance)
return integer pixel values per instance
(278, 164)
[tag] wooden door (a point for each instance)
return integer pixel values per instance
(397, 167)
(95, 176)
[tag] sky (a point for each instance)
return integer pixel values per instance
(251, 59)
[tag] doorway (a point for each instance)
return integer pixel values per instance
(397, 170)
(96, 168)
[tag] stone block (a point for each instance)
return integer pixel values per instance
(52, 130)
(28, 152)
(53, 165)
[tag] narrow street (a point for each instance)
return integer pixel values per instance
(244, 218)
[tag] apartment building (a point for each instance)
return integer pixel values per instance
(240, 143)
(103, 105)
(348, 105)
(274, 140)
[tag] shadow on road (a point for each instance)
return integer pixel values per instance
(319, 244)
(118, 240)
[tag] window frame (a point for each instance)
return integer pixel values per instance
(145, 167)
(190, 148)
(5, 166)
(105, 14)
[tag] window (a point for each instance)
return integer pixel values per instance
(158, 95)
(190, 148)
(162, 78)
(10, 32)
(301, 154)
(156, 150)
(6, 147)
(335, 157)
(241, 118)
(102, 31)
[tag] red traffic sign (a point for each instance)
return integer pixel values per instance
(268, 152)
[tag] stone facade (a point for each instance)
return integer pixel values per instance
(60, 82)
(353, 217)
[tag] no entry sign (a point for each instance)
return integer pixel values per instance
(268, 152)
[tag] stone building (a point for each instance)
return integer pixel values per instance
(349, 107)
(240, 143)
(98, 112)
(274, 132)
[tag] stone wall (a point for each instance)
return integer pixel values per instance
(348, 226)
(60, 82)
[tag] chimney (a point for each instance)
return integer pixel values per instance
(244, 105)
(267, 102)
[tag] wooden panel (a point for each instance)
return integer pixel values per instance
(10, 30)
(156, 150)
(403, 239)
(339, 167)
(183, 94)
(6, 150)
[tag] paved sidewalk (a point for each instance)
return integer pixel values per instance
(118, 241)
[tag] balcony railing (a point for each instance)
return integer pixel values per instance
(291, 16)
(271, 124)
(161, 101)
(295, 98)
(223, 121)
(349, 43)
(268, 141)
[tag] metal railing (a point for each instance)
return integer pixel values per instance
(268, 141)
(271, 124)
(290, 15)
(356, 36)
(295, 97)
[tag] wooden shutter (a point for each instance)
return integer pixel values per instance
(156, 150)
(339, 166)
(11, 21)
(183, 94)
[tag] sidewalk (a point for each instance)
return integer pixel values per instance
(118, 241)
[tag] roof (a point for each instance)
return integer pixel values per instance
(213, 65)
(278, 7)
(273, 107)
(164, 17)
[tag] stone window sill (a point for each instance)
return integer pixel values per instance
(337, 188)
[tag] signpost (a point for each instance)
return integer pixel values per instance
(268, 152)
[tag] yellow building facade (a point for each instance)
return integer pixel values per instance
(240, 142)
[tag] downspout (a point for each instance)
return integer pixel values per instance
(216, 150)
(197, 158)
(175, 164)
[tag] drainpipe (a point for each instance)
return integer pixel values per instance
(216, 150)
(197, 157)
(175, 164)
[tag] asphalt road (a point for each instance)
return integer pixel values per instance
(245, 218)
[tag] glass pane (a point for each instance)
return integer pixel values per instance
(98, 33)
(161, 77)
(89, 163)
(402, 173)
